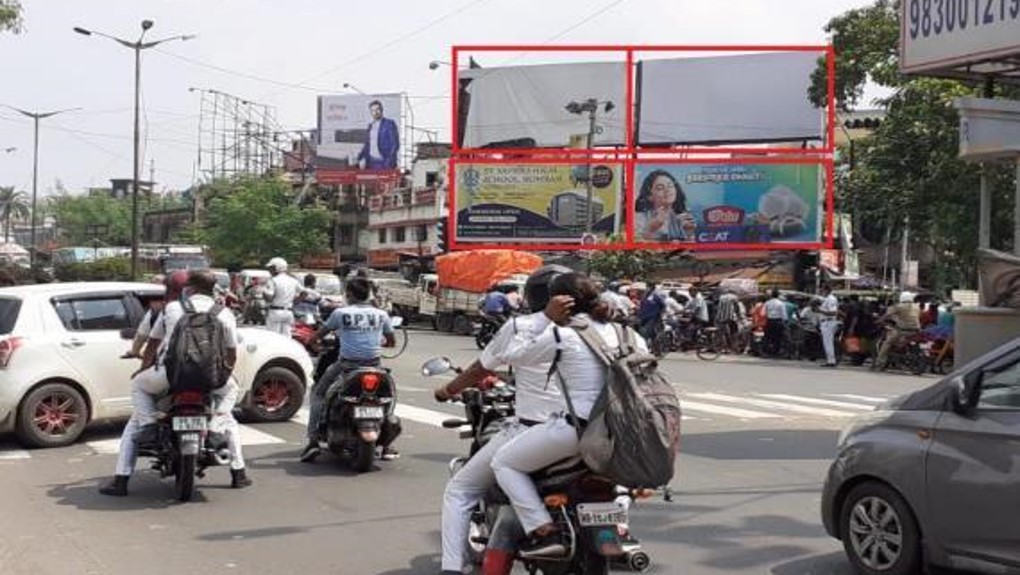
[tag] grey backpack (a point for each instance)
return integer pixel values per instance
(633, 434)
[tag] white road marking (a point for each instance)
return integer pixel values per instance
(867, 398)
(816, 401)
(410, 412)
(249, 436)
(688, 405)
(11, 454)
(802, 409)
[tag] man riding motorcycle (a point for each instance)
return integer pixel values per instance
(361, 330)
(535, 402)
(906, 319)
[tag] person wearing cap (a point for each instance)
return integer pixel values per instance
(829, 324)
(150, 381)
(281, 291)
(906, 321)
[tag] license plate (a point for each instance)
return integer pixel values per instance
(367, 412)
(599, 514)
(189, 424)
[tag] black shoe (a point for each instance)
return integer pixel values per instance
(539, 546)
(239, 479)
(389, 454)
(117, 487)
(311, 452)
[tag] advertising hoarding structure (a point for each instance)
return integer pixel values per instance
(529, 203)
(699, 204)
(631, 155)
(359, 138)
(961, 38)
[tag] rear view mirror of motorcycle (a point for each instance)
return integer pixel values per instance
(436, 366)
(396, 321)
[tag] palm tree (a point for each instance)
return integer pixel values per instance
(12, 205)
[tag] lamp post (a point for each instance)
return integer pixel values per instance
(137, 46)
(591, 107)
(353, 88)
(36, 116)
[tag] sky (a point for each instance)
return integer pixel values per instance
(284, 53)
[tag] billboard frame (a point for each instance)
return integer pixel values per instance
(631, 155)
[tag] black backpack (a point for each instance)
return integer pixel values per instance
(196, 356)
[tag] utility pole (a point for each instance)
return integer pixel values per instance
(137, 46)
(36, 116)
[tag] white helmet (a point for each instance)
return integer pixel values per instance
(279, 264)
(907, 297)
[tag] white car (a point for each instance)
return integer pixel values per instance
(60, 365)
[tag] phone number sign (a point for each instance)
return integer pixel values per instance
(945, 34)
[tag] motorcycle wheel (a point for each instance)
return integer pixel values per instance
(184, 480)
(484, 337)
(591, 563)
(363, 456)
(916, 362)
(707, 350)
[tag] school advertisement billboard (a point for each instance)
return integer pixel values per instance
(537, 203)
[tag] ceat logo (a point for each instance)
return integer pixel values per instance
(724, 216)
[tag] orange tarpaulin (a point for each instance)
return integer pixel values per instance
(478, 270)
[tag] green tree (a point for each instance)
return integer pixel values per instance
(623, 264)
(12, 205)
(249, 221)
(909, 165)
(75, 214)
(10, 15)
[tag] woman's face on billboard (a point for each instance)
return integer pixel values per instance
(663, 192)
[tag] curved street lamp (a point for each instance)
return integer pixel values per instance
(137, 46)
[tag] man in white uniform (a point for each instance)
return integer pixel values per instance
(150, 382)
(829, 324)
(536, 402)
(281, 290)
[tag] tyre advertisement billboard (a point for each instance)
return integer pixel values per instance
(728, 203)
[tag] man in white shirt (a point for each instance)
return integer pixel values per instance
(698, 307)
(150, 381)
(775, 326)
(829, 324)
(280, 291)
(536, 401)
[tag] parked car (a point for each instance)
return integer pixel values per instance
(933, 477)
(60, 366)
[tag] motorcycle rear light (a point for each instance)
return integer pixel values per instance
(188, 397)
(370, 382)
(556, 500)
(7, 348)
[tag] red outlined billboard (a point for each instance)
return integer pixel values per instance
(814, 223)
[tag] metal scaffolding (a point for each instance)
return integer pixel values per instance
(236, 137)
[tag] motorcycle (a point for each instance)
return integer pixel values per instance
(303, 331)
(182, 441)
(356, 414)
(590, 511)
(912, 353)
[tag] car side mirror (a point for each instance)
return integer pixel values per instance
(436, 366)
(963, 394)
(128, 333)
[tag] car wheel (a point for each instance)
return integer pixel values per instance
(276, 395)
(880, 534)
(462, 325)
(52, 415)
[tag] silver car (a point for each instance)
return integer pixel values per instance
(933, 477)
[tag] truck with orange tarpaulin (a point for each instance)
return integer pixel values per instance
(449, 298)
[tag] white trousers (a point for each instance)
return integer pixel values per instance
(464, 490)
(829, 328)
(536, 447)
(144, 401)
(280, 321)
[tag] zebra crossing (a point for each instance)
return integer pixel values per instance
(709, 405)
(697, 406)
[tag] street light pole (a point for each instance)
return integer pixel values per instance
(137, 46)
(36, 116)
